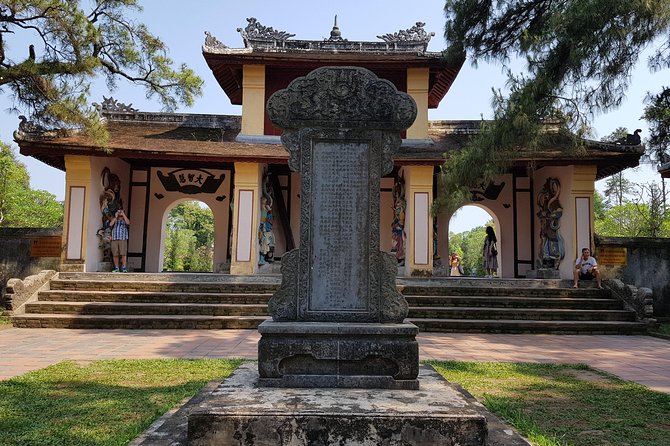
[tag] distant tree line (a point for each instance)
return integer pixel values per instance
(189, 239)
(20, 205)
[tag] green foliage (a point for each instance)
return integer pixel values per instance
(468, 245)
(5, 321)
(579, 56)
(189, 238)
(563, 404)
(599, 206)
(634, 218)
(100, 403)
(617, 188)
(657, 114)
(72, 42)
(21, 206)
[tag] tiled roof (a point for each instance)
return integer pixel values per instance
(156, 137)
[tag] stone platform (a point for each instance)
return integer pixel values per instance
(332, 354)
(171, 429)
(239, 413)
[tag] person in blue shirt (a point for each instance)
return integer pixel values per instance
(586, 268)
(119, 224)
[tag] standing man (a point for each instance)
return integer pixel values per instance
(119, 225)
(586, 268)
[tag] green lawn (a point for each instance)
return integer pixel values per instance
(664, 328)
(111, 402)
(5, 322)
(559, 404)
(99, 403)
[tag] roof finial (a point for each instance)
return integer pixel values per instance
(335, 34)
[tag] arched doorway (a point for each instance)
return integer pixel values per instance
(466, 233)
(187, 237)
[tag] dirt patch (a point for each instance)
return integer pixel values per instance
(587, 375)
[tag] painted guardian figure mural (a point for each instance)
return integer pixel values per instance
(552, 250)
(110, 202)
(266, 236)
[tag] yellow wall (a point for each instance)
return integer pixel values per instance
(417, 88)
(418, 184)
(253, 100)
(583, 187)
(247, 183)
(77, 174)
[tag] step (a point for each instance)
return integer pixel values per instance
(521, 326)
(157, 286)
(494, 291)
(143, 308)
(514, 302)
(136, 321)
(148, 296)
(538, 314)
(173, 277)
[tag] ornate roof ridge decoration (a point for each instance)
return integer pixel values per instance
(255, 33)
(264, 38)
(413, 34)
(616, 147)
(31, 130)
(111, 104)
(335, 33)
(212, 43)
(229, 122)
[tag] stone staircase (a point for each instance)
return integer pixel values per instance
(150, 301)
(474, 305)
(219, 301)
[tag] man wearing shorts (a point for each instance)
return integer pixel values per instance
(119, 224)
(586, 268)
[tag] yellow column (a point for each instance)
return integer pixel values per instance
(244, 259)
(418, 220)
(417, 88)
(583, 187)
(75, 223)
(253, 100)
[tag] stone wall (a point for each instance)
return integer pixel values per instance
(648, 265)
(15, 255)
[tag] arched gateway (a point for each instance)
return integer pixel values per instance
(238, 167)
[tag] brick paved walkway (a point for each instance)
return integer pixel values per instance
(637, 358)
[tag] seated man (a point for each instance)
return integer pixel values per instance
(586, 268)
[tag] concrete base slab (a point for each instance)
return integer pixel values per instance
(239, 413)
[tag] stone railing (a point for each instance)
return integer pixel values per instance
(19, 292)
(639, 300)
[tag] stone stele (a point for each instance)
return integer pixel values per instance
(338, 320)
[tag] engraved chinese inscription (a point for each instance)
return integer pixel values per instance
(340, 227)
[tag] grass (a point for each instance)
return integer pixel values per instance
(664, 328)
(99, 403)
(111, 402)
(5, 321)
(565, 405)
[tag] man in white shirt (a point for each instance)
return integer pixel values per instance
(586, 268)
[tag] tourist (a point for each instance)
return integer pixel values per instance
(119, 225)
(455, 263)
(490, 253)
(586, 268)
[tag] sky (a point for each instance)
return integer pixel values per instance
(182, 25)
